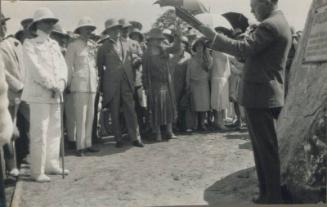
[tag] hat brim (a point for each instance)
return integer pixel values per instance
(32, 26)
(137, 33)
(63, 35)
(84, 26)
(112, 27)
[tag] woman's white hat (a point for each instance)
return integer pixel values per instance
(42, 14)
(85, 22)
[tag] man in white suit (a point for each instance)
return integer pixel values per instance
(46, 80)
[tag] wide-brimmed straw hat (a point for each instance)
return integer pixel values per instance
(136, 31)
(110, 24)
(85, 22)
(124, 23)
(42, 14)
(156, 33)
(3, 18)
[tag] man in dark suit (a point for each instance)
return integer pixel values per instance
(117, 82)
(265, 51)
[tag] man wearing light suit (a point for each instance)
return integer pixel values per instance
(117, 82)
(82, 83)
(262, 95)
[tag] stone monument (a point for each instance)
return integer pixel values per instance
(302, 127)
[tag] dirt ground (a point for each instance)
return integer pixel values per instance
(198, 169)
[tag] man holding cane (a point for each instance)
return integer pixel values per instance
(262, 94)
(45, 82)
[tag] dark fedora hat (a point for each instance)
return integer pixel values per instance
(111, 24)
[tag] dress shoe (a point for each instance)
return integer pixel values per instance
(58, 171)
(42, 179)
(119, 144)
(80, 153)
(138, 143)
(171, 135)
(92, 150)
(14, 172)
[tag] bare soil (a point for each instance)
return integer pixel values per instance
(198, 169)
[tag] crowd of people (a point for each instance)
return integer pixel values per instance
(148, 85)
(151, 86)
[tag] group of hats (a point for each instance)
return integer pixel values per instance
(123, 23)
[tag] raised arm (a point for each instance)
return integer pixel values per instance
(253, 44)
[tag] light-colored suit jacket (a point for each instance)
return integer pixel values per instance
(45, 68)
(12, 53)
(82, 69)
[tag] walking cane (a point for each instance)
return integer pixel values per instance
(62, 144)
(17, 102)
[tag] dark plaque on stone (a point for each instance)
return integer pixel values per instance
(316, 48)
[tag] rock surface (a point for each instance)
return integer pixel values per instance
(302, 125)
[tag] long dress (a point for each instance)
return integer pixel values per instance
(220, 73)
(158, 83)
(197, 79)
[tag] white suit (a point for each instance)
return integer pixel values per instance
(46, 69)
(83, 82)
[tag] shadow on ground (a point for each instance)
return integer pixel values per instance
(237, 188)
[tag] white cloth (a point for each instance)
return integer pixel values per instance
(84, 111)
(46, 69)
(81, 62)
(12, 53)
(6, 124)
(45, 133)
(220, 73)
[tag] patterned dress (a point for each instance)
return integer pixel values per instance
(158, 83)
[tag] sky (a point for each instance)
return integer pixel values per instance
(69, 12)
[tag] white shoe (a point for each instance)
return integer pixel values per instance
(14, 172)
(58, 171)
(42, 179)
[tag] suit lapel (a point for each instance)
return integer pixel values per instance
(113, 48)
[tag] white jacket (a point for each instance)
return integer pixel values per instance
(45, 69)
(6, 124)
(82, 69)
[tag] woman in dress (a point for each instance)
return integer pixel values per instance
(158, 83)
(197, 82)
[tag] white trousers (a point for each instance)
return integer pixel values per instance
(84, 112)
(45, 131)
(70, 118)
